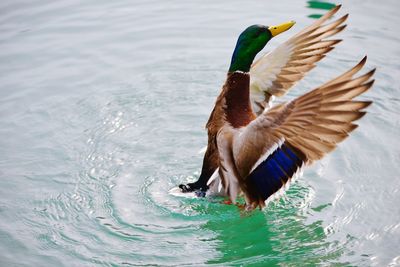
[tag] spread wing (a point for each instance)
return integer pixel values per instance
(276, 72)
(272, 148)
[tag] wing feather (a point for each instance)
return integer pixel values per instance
(335, 115)
(310, 126)
(276, 72)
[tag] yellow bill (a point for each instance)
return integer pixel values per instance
(275, 30)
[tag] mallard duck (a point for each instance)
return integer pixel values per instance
(256, 150)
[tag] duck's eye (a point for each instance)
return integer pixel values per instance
(274, 28)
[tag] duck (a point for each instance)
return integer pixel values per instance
(255, 149)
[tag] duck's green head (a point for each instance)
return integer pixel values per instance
(252, 41)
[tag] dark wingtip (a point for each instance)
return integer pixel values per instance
(341, 28)
(336, 8)
(360, 64)
(371, 83)
(362, 114)
(336, 41)
(354, 126)
(363, 60)
(367, 104)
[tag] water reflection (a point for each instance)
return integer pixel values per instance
(320, 6)
(259, 238)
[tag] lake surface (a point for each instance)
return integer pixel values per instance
(102, 110)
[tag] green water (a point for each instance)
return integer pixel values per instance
(102, 111)
(321, 6)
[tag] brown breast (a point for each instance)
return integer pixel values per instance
(237, 100)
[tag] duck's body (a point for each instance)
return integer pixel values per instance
(257, 151)
(237, 88)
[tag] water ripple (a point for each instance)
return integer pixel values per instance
(102, 111)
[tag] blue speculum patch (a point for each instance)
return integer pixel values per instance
(275, 171)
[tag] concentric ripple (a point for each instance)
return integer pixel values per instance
(102, 110)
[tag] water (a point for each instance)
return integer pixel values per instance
(102, 107)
